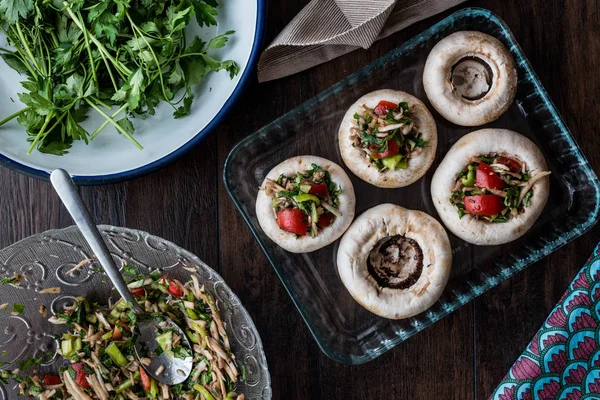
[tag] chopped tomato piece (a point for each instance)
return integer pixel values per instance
(512, 164)
(391, 150)
(484, 204)
(51, 380)
(293, 220)
(318, 189)
(325, 220)
(145, 379)
(174, 289)
(81, 375)
(383, 107)
(137, 292)
(117, 335)
(123, 325)
(485, 177)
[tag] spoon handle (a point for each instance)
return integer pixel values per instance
(67, 191)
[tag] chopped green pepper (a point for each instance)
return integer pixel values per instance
(192, 336)
(113, 351)
(153, 389)
(165, 341)
(306, 197)
(191, 313)
(313, 213)
(128, 383)
(202, 390)
(469, 180)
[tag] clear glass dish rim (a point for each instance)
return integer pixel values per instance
(548, 248)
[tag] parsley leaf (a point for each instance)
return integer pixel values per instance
(12, 10)
(185, 108)
(18, 308)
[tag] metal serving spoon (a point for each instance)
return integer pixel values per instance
(175, 370)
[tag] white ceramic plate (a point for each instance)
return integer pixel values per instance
(110, 157)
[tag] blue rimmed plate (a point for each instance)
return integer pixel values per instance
(111, 157)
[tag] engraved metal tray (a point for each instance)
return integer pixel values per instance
(44, 260)
(342, 328)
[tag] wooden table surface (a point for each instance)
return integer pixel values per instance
(465, 355)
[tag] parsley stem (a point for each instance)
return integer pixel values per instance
(100, 46)
(5, 120)
(105, 123)
(89, 51)
(112, 121)
(22, 57)
(26, 46)
(42, 131)
(57, 121)
(103, 104)
(112, 78)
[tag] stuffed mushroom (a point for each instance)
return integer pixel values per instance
(491, 187)
(388, 138)
(305, 203)
(470, 78)
(395, 262)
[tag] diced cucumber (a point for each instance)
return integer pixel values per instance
(305, 188)
(394, 162)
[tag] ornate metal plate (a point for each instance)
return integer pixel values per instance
(44, 260)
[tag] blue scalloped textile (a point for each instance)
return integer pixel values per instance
(562, 361)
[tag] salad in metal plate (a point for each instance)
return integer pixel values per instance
(99, 355)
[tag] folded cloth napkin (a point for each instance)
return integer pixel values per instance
(326, 29)
(563, 359)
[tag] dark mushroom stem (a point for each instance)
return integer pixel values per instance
(396, 262)
(471, 77)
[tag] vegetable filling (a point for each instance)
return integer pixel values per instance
(396, 262)
(387, 135)
(305, 203)
(494, 188)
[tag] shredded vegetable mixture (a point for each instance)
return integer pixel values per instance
(100, 360)
(304, 203)
(387, 135)
(494, 188)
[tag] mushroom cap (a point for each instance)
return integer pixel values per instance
(440, 91)
(306, 244)
(489, 141)
(354, 157)
(388, 220)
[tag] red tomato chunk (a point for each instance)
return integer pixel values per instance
(293, 220)
(484, 204)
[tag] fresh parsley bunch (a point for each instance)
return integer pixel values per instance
(119, 58)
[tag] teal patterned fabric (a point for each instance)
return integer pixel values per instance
(563, 359)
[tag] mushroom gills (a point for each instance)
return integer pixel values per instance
(396, 262)
(471, 78)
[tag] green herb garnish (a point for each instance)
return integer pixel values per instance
(18, 308)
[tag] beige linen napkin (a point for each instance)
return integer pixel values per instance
(326, 29)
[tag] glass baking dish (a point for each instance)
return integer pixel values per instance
(344, 330)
